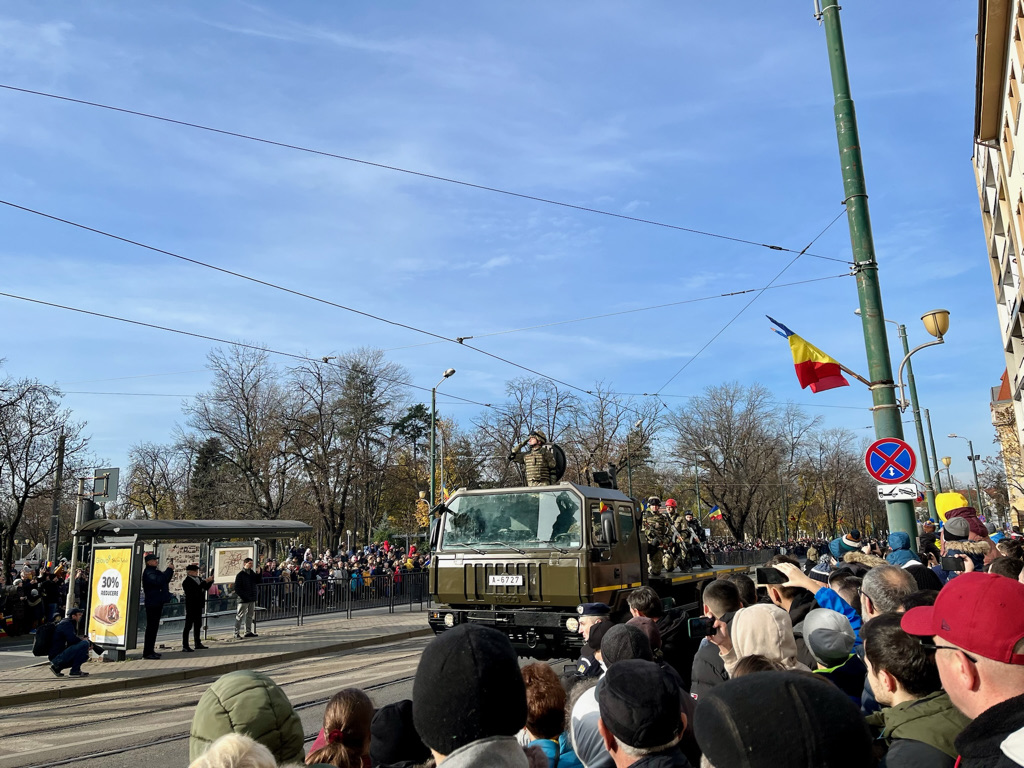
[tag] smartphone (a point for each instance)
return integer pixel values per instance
(701, 627)
(568, 669)
(952, 564)
(770, 576)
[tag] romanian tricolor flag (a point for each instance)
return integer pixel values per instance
(715, 513)
(814, 368)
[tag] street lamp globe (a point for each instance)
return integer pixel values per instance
(936, 322)
(947, 460)
(450, 372)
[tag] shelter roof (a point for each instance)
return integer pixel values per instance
(196, 529)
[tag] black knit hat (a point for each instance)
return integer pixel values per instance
(393, 738)
(639, 703)
(597, 633)
(750, 722)
(468, 687)
(622, 642)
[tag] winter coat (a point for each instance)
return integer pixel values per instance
(558, 752)
(929, 542)
(496, 752)
(802, 604)
(673, 758)
(762, 629)
(245, 585)
(921, 732)
(976, 550)
(848, 677)
(154, 585)
(677, 647)
(64, 636)
(979, 742)
(250, 703)
(899, 541)
(708, 667)
(195, 590)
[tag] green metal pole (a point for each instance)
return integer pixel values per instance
(887, 417)
(977, 485)
(629, 467)
(936, 475)
(929, 492)
(433, 432)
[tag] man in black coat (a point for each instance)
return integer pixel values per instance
(245, 590)
(195, 595)
(721, 600)
(154, 587)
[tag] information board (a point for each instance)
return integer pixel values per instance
(110, 579)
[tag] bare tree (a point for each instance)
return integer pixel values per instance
(246, 410)
(157, 481)
(31, 422)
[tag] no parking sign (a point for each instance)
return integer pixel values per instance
(890, 460)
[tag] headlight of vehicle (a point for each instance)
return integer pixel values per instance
(449, 620)
(572, 624)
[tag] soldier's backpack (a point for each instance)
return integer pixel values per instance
(44, 639)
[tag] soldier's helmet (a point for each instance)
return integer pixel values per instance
(671, 504)
(539, 435)
(653, 501)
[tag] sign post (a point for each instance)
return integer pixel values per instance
(890, 460)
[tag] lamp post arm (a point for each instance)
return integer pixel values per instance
(903, 403)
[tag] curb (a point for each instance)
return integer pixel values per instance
(145, 681)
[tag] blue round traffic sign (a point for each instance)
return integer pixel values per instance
(890, 460)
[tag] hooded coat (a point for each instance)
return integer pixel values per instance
(250, 703)
(920, 732)
(763, 629)
(899, 542)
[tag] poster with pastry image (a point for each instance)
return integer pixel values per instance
(108, 608)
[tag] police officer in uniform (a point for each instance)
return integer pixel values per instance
(659, 541)
(539, 460)
(195, 590)
(590, 614)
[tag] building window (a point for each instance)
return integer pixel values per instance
(1008, 146)
(1013, 96)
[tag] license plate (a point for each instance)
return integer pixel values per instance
(505, 580)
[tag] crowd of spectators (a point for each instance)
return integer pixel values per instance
(30, 596)
(860, 667)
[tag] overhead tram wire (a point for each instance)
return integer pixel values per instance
(241, 344)
(752, 300)
(420, 174)
(461, 341)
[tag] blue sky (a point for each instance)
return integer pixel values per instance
(704, 115)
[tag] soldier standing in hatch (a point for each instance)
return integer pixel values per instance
(659, 541)
(678, 532)
(539, 461)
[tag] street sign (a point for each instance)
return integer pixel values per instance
(903, 492)
(890, 460)
(104, 485)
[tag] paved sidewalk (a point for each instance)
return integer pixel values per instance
(275, 645)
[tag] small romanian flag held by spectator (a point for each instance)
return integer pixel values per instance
(715, 513)
(814, 368)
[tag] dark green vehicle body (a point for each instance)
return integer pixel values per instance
(522, 559)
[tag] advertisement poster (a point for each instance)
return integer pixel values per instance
(111, 576)
(227, 562)
(181, 553)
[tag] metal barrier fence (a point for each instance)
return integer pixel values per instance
(315, 597)
(743, 556)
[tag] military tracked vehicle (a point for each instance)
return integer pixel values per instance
(522, 559)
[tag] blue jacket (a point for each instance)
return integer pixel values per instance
(901, 554)
(829, 598)
(560, 754)
(154, 585)
(64, 636)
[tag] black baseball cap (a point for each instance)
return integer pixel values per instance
(640, 704)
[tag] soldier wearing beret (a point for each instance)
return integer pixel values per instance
(539, 460)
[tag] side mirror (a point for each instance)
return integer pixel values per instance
(435, 533)
(608, 528)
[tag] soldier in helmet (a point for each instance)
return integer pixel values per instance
(679, 532)
(659, 540)
(696, 542)
(539, 460)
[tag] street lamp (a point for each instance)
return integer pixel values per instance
(931, 324)
(947, 460)
(973, 458)
(433, 430)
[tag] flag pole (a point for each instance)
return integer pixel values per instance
(855, 375)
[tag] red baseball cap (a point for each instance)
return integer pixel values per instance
(980, 612)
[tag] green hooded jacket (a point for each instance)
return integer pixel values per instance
(932, 720)
(249, 703)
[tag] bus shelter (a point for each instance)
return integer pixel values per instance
(114, 595)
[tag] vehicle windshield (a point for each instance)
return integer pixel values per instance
(543, 519)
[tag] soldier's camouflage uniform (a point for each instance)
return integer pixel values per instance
(659, 543)
(539, 461)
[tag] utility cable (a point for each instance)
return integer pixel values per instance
(241, 344)
(746, 306)
(420, 174)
